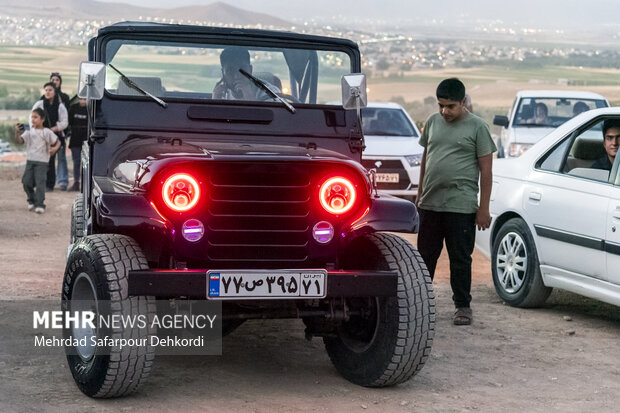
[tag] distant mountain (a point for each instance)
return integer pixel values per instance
(215, 13)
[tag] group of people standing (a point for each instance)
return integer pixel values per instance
(55, 123)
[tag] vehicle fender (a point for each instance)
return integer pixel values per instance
(387, 213)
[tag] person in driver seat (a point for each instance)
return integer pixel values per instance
(234, 85)
(611, 141)
(540, 115)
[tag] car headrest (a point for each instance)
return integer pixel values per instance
(269, 78)
(588, 149)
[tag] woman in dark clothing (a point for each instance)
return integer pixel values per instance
(56, 119)
(56, 79)
(62, 172)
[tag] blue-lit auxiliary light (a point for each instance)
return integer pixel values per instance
(323, 232)
(193, 230)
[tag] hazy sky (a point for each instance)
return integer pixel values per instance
(575, 14)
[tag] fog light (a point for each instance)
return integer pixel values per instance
(193, 230)
(323, 232)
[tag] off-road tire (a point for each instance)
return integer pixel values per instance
(103, 262)
(532, 291)
(77, 219)
(405, 325)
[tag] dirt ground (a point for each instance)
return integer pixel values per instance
(564, 357)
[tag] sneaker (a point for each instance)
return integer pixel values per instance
(76, 186)
(49, 189)
(63, 187)
(30, 207)
(39, 210)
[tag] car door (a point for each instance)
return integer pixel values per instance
(568, 213)
(612, 241)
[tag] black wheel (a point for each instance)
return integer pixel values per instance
(390, 338)
(77, 219)
(96, 280)
(515, 267)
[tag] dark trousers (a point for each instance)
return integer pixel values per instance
(51, 173)
(34, 182)
(459, 232)
(76, 152)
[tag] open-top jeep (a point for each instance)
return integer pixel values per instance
(256, 200)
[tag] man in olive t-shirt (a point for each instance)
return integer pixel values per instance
(458, 149)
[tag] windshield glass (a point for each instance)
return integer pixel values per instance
(386, 122)
(185, 70)
(552, 112)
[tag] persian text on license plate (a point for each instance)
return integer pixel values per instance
(390, 178)
(238, 284)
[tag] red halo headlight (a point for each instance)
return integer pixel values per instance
(337, 195)
(181, 192)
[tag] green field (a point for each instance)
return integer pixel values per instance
(492, 87)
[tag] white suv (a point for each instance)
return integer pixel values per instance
(535, 113)
(392, 148)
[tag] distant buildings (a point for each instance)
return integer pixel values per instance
(383, 54)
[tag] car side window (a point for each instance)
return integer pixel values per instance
(553, 161)
(585, 154)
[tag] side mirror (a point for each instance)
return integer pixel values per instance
(501, 120)
(354, 91)
(91, 82)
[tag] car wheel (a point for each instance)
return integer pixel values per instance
(386, 340)
(96, 281)
(515, 267)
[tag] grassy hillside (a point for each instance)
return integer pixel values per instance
(24, 70)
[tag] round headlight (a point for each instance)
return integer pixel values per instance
(181, 192)
(337, 195)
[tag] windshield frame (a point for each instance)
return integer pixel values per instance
(233, 37)
(533, 100)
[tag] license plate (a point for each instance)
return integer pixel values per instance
(238, 284)
(390, 178)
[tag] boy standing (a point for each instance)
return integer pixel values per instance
(458, 149)
(41, 143)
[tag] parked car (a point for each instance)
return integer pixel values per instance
(192, 182)
(525, 124)
(556, 218)
(392, 148)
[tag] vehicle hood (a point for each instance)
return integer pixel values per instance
(219, 150)
(391, 145)
(524, 134)
(140, 159)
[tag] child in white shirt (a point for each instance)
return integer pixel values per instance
(41, 143)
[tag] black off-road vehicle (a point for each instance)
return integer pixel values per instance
(194, 189)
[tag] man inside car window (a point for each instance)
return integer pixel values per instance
(234, 85)
(611, 141)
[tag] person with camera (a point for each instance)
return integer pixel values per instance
(41, 142)
(57, 120)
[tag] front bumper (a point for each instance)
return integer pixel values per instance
(193, 283)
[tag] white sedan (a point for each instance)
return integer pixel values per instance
(556, 214)
(392, 148)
